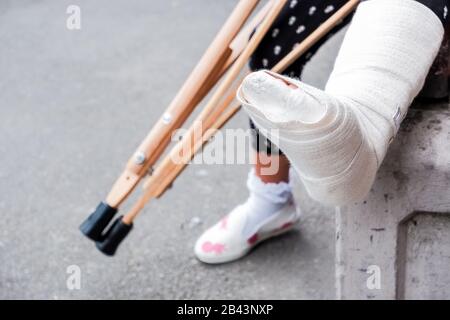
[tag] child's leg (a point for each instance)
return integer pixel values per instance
(337, 138)
(264, 164)
(269, 209)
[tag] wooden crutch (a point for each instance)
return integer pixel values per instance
(107, 241)
(167, 172)
(217, 59)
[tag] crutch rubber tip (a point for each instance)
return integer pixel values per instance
(113, 237)
(94, 225)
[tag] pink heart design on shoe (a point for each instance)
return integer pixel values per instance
(253, 239)
(223, 223)
(286, 225)
(218, 248)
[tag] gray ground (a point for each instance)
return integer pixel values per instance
(74, 105)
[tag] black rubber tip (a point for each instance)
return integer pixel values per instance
(94, 225)
(113, 237)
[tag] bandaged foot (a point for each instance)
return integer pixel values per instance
(268, 212)
(336, 139)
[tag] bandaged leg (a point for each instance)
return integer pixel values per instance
(336, 139)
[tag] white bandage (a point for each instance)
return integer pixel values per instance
(336, 139)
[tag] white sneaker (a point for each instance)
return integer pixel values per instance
(231, 239)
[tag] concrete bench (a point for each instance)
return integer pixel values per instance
(396, 243)
(403, 227)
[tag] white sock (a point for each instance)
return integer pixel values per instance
(336, 139)
(265, 200)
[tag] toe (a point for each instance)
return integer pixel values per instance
(282, 100)
(264, 91)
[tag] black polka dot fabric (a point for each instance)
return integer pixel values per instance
(439, 7)
(298, 19)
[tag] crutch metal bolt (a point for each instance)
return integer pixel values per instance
(215, 114)
(167, 118)
(139, 158)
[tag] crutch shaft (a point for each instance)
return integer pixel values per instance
(240, 42)
(129, 179)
